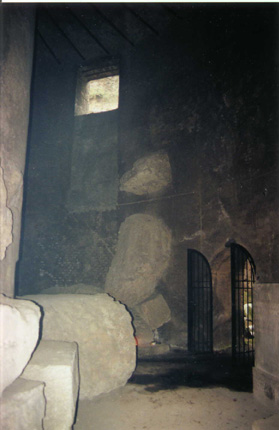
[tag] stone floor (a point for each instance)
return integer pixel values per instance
(177, 392)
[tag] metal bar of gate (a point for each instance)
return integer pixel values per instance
(198, 302)
(246, 312)
(191, 303)
(233, 291)
(242, 279)
(200, 323)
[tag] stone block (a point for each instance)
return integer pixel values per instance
(155, 312)
(103, 330)
(148, 175)
(266, 321)
(56, 364)
(270, 423)
(266, 389)
(142, 257)
(19, 332)
(22, 406)
(143, 332)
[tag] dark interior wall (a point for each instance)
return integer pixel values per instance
(61, 244)
(49, 152)
(209, 98)
(205, 91)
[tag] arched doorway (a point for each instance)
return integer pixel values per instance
(200, 332)
(243, 276)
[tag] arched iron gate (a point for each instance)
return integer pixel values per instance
(243, 276)
(200, 332)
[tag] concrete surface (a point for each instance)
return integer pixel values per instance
(189, 393)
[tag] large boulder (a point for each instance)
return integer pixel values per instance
(103, 330)
(142, 257)
(155, 311)
(19, 333)
(148, 175)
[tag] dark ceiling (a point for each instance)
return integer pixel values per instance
(78, 33)
(89, 30)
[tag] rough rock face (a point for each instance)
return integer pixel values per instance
(19, 331)
(149, 174)
(155, 312)
(104, 333)
(142, 256)
(22, 406)
(143, 331)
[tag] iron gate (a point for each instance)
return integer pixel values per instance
(243, 274)
(200, 332)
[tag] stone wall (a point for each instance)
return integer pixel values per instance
(205, 95)
(204, 106)
(56, 223)
(94, 166)
(266, 370)
(17, 35)
(82, 243)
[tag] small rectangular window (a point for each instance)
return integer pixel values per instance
(97, 90)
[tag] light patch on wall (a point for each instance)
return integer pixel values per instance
(98, 95)
(103, 94)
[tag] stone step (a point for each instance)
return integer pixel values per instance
(56, 364)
